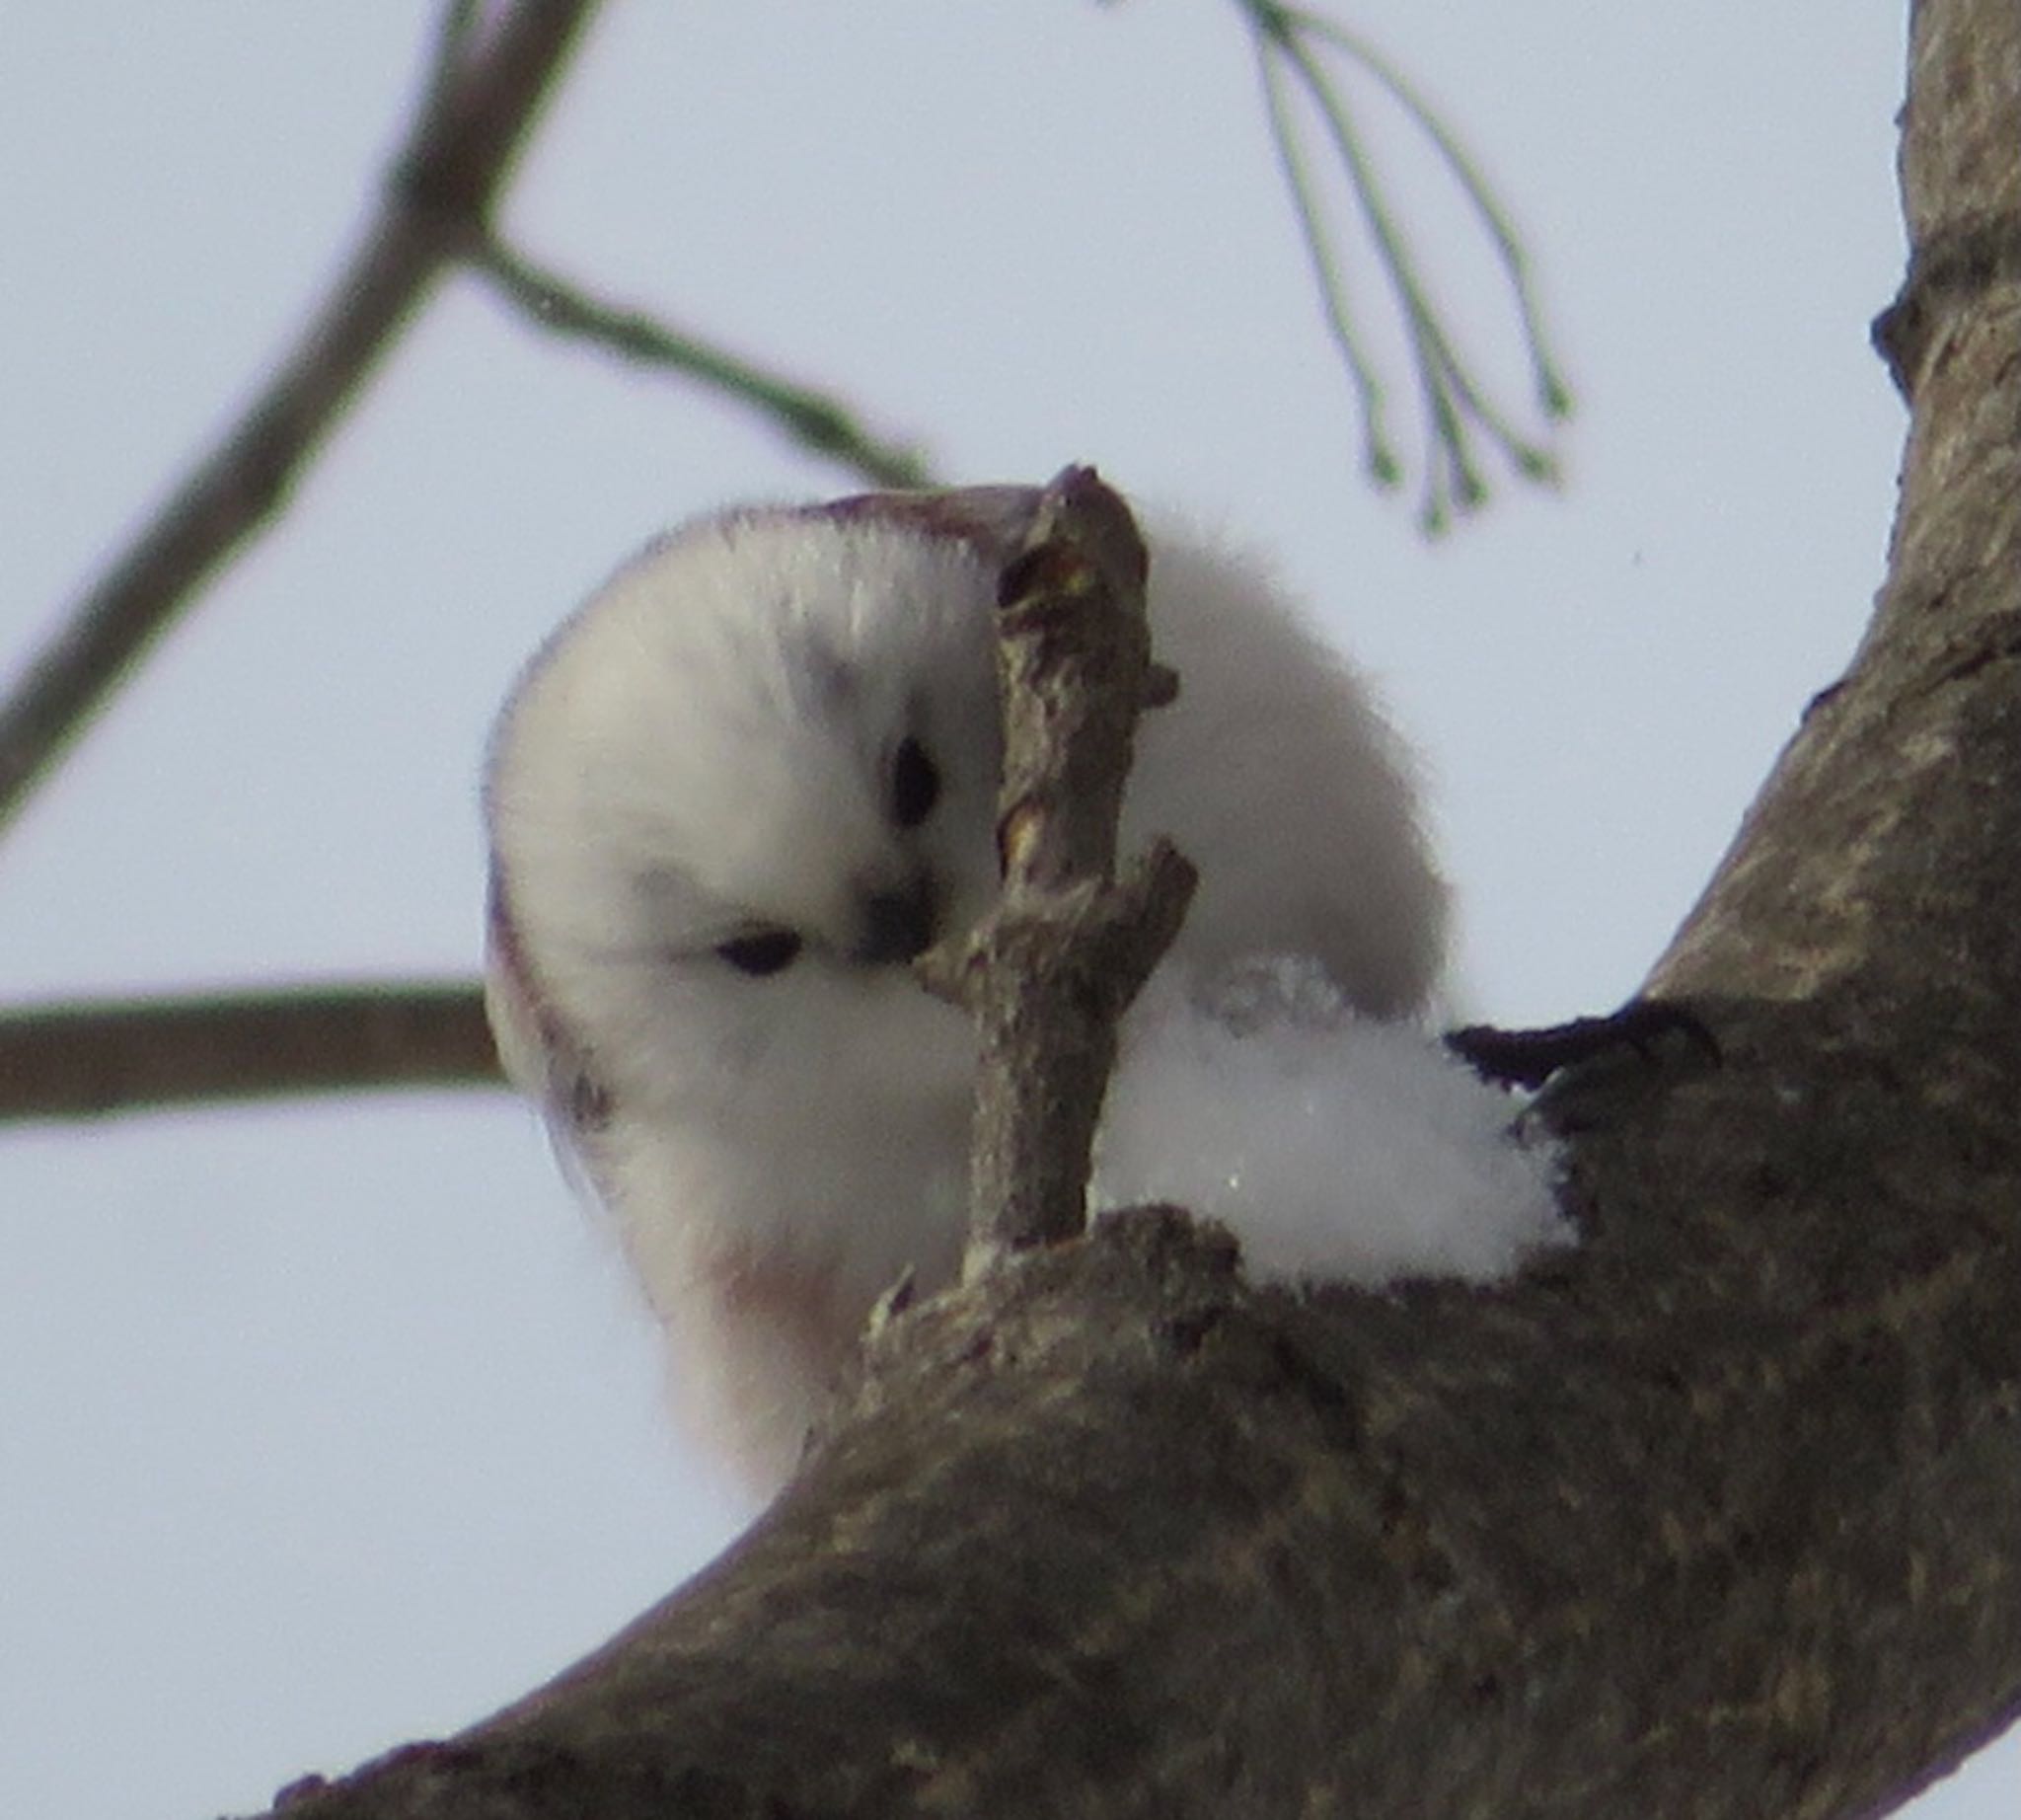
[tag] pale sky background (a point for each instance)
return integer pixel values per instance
(324, 1427)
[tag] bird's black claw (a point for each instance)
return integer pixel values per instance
(1529, 1058)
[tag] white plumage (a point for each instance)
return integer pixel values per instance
(744, 785)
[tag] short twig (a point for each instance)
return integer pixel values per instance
(1051, 972)
(83, 1060)
(1454, 404)
(817, 420)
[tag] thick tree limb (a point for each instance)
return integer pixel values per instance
(483, 101)
(80, 1061)
(1719, 1514)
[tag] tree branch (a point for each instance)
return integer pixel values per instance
(85, 1060)
(1051, 970)
(483, 101)
(816, 420)
(1288, 43)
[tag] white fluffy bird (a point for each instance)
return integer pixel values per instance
(735, 795)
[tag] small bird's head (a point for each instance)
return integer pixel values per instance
(756, 775)
(738, 792)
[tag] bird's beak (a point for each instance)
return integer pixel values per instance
(897, 925)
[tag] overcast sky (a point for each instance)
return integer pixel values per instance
(323, 1427)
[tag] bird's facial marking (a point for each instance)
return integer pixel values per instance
(762, 953)
(915, 784)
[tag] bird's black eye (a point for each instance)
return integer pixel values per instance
(915, 784)
(761, 951)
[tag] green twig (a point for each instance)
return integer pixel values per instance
(1456, 405)
(1380, 458)
(1553, 395)
(817, 420)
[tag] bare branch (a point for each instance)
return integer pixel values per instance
(1378, 455)
(1054, 966)
(83, 1060)
(456, 34)
(447, 179)
(1456, 405)
(817, 420)
(1552, 394)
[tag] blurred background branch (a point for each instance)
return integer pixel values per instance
(147, 1054)
(1291, 46)
(819, 421)
(482, 98)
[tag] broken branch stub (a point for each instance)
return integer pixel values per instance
(1050, 972)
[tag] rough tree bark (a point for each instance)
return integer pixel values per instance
(1718, 1515)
